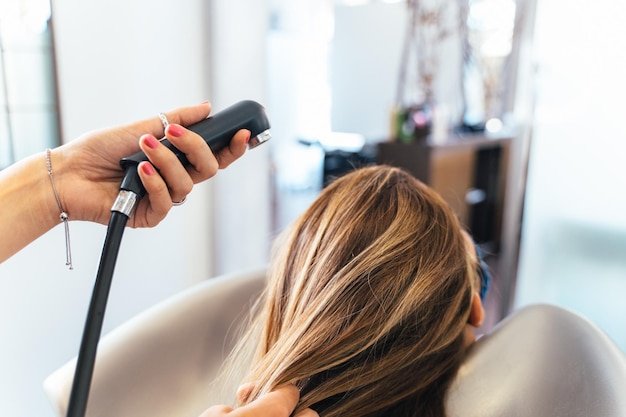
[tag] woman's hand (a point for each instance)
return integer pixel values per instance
(278, 403)
(88, 174)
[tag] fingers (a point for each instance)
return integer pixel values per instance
(184, 116)
(188, 115)
(170, 169)
(280, 402)
(244, 391)
(165, 179)
(203, 164)
(234, 150)
(158, 196)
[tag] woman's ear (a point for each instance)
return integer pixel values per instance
(477, 312)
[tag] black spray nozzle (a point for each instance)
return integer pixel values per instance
(216, 130)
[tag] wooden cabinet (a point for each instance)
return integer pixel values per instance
(469, 172)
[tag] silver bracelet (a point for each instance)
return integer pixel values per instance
(63, 215)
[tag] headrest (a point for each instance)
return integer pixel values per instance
(541, 361)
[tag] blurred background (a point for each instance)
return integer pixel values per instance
(511, 109)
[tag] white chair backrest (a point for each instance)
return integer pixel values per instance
(162, 362)
(542, 361)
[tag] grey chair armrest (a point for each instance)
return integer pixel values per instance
(541, 361)
(162, 362)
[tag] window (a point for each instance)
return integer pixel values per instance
(28, 100)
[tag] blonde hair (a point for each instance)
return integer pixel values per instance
(368, 296)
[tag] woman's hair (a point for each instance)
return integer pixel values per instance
(368, 296)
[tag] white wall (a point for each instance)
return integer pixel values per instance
(119, 61)
(238, 52)
(365, 67)
(365, 61)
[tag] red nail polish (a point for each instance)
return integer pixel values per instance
(147, 168)
(150, 141)
(175, 130)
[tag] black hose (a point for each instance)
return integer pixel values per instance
(95, 316)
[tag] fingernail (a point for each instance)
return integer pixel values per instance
(175, 130)
(150, 141)
(147, 168)
(205, 102)
(248, 138)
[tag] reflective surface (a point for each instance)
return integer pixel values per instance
(28, 105)
(574, 236)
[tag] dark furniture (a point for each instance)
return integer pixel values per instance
(469, 171)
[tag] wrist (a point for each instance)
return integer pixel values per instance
(63, 215)
(31, 209)
(55, 168)
(42, 204)
(63, 199)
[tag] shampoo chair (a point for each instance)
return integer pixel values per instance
(542, 361)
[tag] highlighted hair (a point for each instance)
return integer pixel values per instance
(368, 296)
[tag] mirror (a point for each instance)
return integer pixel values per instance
(487, 54)
(28, 105)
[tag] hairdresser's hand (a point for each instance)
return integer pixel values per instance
(88, 173)
(278, 403)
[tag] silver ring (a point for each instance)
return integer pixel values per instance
(164, 121)
(179, 203)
